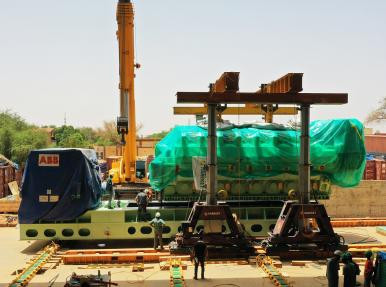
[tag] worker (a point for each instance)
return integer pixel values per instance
(377, 270)
(149, 194)
(110, 190)
(332, 272)
(356, 266)
(200, 252)
(369, 269)
(157, 223)
(142, 201)
(348, 271)
(117, 195)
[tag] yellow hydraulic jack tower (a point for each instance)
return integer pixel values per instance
(125, 171)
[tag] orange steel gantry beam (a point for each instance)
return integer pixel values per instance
(229, 81)
(289, 83)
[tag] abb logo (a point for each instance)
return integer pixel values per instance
(48, 160)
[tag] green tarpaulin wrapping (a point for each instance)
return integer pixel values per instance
(264, 151)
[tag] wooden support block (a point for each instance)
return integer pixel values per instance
(181, 257)
(299, 263)
(277, 264)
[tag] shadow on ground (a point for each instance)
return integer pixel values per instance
(35, 247)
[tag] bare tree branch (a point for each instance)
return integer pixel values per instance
(378, 114)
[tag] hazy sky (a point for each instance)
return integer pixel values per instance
(60, 57)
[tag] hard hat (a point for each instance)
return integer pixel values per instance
(158, 214)
(338, 253)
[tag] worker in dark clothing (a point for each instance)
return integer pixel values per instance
(356, 267)
(332, 272)
(157, 223)
(142, 202)
(377, 270)
(200, 252)
(369, 269)
(110, 190)
(348, 272)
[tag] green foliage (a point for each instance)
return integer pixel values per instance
(68, 136)
(28, 140)
(89, 134)
(12, 121)
(6, 138)
(18, 138)
(107, 135)
(159, 135)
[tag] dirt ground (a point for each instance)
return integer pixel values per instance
(14, 254)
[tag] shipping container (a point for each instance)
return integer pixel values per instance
(370, 170)
(380, 169)
(375, 170)
(375, 144)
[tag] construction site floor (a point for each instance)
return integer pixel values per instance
(14, 254)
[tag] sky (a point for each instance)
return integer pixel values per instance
(60, 58)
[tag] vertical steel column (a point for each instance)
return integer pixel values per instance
(304, 163)
(211, 158)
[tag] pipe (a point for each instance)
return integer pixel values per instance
(304, 162)
(211, 158)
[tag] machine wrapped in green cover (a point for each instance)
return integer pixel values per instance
(262, 152)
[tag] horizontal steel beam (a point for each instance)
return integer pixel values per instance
(233, 111)
(270, 98)
(289, 83)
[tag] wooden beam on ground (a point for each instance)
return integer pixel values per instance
(270, 98)
(97, 256)
(256, 110)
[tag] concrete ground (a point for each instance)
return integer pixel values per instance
(14, 254)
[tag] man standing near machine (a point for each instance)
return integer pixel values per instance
(332, 272)
(157, 223)
(142, 201)
(200, 252)
(110, 190)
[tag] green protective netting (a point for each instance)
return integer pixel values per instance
(264, 151)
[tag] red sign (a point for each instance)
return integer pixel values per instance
(48, 160)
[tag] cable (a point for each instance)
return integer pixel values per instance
(143, 279)
(52, 281)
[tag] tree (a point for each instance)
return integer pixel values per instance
(68, 136)
(89, 134)
(108, 135)
(12, 121)
(6, 138)
(378, 114)
(75, 140)
(26, 141)
(159, 135)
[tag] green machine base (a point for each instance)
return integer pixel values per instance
(122, 223)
